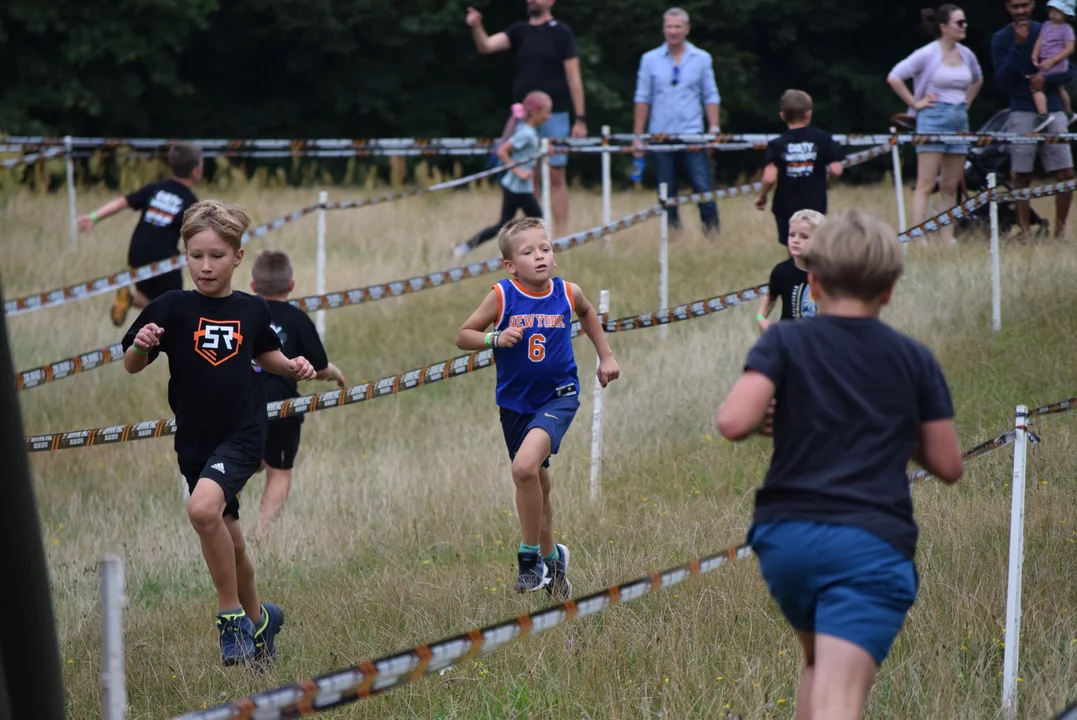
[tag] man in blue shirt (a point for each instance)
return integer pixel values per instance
(1011, 54)
(676, 86)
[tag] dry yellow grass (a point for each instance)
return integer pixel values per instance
(401, 525)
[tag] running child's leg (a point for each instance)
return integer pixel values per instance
(278, 485)
(204, 510)
(546, 544)
(843, 675)
(510, 203)
(246, 589)
(807, 675)
(530, 503)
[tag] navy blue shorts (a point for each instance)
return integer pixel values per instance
(554, 417)
(837, 580)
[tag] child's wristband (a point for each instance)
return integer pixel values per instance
(760, 317)
(486, 340)
(93, 216)
(139, 350)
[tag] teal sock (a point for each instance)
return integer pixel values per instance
(525, 548)
(552, 555)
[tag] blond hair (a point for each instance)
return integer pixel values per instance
(855, 254)
(511, 230)
(228, 222)
(795, 105)
(812, 217)
(272, 272)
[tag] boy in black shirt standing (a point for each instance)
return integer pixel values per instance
(272, 279)
(156, 237)
(798, 162)
(788, 279)
(853, 401)
(211, 335)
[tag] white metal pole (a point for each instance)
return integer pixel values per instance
(546, 214)
(895, 152)
(663, 258)
(607, 182)
(113, 599)
(319, 317)
(72, 210)
(596, 420)
(996, 283)
(1017, 558)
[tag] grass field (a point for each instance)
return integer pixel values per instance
(401, 527)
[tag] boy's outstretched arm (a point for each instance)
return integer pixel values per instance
(937, 450)
(275, 362)
(744, 408)
(333, 373)
(86, 222)
(770, 179)
(608, 370)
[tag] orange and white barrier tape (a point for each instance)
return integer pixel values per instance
(68, 367)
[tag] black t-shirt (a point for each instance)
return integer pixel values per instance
(298, 336)
(790, 283)
(541, 51)
(210, 343)
(157, 235)
(801, 156)
(851, 394)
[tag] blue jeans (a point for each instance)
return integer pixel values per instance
(693, 164)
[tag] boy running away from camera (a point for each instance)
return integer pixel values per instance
(853, 401)
(537, 384)
(211, 334)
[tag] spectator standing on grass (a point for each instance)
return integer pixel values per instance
(1011, 55)
(946, 78)
(675, 88)
(546, 60)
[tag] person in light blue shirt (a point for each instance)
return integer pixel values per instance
(675, 87)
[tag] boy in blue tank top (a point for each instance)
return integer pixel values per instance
(833, 527)
(537, 387)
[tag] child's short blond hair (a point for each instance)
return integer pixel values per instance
(812, 217)
(272, 273)
(855, 254)
(184, 158)
(228, 222)
(511, 230)
(795, 105)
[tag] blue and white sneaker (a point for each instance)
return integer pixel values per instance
(560, 588)
(237, 638)
(532, 575)
(265, 636)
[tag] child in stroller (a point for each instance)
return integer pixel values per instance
(979, 163)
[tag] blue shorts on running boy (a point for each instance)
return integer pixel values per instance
(554, 417)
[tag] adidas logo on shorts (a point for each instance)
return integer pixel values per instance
(219, 467)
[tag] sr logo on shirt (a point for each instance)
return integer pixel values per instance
(217, 340)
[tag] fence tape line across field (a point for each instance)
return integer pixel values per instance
(392, 385)
(376, 676)
(1057, 407)
(68, 367)
(124, 278)
(31, 158)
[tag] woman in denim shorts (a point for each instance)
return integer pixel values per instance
(946, 77)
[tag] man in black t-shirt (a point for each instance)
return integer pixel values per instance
(211, 336)
(272, 279)
(853, 401)
(798, 162)
(156, 236)
(546, 60)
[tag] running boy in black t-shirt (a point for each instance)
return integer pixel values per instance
(272, 279)
(853, 400)
(797, 162)
(156, 236)
(788, 279)
(211, 335)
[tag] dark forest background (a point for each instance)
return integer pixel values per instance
(370, 68)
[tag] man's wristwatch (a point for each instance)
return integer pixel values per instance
(581, 118)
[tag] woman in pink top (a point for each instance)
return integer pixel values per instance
(946, 78)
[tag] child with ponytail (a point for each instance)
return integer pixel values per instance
(517, 184)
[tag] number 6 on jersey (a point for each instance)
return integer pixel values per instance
(536, 351)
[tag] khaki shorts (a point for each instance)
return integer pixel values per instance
(1053, 156)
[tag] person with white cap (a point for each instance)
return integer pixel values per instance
(1051, 54)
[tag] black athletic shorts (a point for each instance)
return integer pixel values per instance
(231, 465)
(282, 443)
(158, 286)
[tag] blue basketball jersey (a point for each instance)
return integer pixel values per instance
(541, 366)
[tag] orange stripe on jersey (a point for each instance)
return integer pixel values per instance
(529, 293)
(568, 294)
(500, 303)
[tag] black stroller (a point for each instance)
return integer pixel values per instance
(979, 163)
